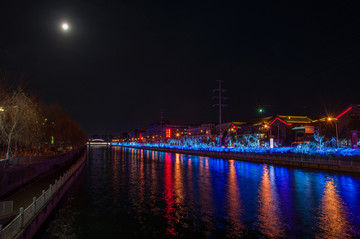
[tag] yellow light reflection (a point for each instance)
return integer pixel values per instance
(333, 220)
(178, 181)
(205, 191)
(270, 223)
(234, 204)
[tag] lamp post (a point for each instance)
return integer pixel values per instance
(336, 130)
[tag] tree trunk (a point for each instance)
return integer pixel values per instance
(9, 147)
(9, 141)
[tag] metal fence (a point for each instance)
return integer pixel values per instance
(28, 214)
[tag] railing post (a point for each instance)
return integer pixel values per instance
(34, 205)
(21, 217)
(50, 189)
(43, 194)
(0, 231)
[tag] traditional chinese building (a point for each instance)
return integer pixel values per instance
(348, 126)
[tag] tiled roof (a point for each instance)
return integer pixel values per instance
(295, 119)
(238, 124)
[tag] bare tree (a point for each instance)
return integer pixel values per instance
(19, 119)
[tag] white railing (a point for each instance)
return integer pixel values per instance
(6, 207)
(27, 215)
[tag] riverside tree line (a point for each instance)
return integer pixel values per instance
(30, 127)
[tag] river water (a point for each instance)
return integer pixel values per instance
(132, 193)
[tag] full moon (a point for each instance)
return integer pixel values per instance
(65, 26)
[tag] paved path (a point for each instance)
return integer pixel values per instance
(24, 196)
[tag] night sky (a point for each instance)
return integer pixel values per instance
(123, 62)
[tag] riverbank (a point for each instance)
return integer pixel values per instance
(33, 215)
(323, 162)
(18, 172)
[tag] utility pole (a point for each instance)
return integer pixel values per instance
(220, 105)
(161, 124)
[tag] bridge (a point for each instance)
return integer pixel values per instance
(98, 142)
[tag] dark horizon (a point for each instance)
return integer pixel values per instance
(122, 63)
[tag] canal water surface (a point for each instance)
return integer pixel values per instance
(133, 193)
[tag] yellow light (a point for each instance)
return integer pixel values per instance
(266, 126)
(329, 119)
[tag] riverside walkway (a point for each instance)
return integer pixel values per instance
(23, 197)
(37, 199)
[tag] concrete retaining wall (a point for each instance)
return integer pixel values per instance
(30, 229)
(20, 171)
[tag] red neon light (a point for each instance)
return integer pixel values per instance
(140, 137)
(234, 126)
(277, 118)
(168, 133)
(169, 194)
(344, 112)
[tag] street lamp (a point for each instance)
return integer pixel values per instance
(336, 129)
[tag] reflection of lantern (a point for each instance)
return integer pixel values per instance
(168, 133)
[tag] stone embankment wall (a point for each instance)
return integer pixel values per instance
(17, 172)
(29, 220)
(323, 162)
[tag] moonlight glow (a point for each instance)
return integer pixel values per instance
(65, 26)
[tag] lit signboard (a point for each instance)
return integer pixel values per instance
(168, 133)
